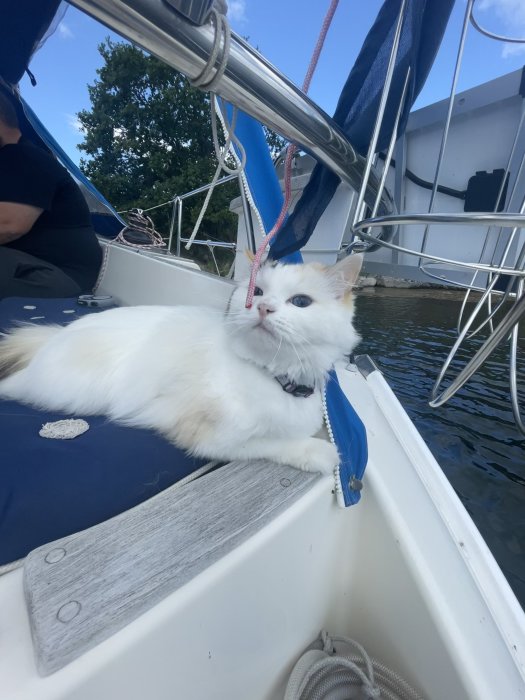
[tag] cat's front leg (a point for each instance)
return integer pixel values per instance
(309, 454)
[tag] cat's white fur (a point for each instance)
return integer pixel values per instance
(203, 379)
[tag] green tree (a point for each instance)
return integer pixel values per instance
(147, 138)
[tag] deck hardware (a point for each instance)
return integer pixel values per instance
(285, 482)
(355, 484)
(68, 611)
(55, 555)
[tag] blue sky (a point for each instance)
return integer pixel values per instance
(285, 31)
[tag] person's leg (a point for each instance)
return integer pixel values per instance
(23, 275)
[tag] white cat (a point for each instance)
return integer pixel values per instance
(211, 383)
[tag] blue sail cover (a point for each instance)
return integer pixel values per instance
(423, 28)
(23, 26)
(259, 170)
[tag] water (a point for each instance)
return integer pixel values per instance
(473, 436)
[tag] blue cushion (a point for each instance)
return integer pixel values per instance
(53, 488)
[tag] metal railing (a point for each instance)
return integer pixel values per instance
(249, 81)
(176, 217)
(499, 275)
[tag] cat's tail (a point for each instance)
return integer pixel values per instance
(20, 345)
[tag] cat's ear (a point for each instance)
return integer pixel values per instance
(346, 272)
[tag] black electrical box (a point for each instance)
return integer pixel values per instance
(483, 190)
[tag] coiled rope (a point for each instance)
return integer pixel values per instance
(327, 674)
(206, 80)
(138, 221)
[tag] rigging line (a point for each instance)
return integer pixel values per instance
(242, 173)
(221, 154)
(205, 80)
(289, 158)
(156, 206)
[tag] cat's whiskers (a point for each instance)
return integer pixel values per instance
(292, 344)
(275, 356)
(292, 332)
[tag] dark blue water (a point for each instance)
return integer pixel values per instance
(473, 436)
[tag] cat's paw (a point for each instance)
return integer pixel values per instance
(317, 456)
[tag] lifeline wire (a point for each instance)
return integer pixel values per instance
(289, 157)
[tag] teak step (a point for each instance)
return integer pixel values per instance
(83, 588)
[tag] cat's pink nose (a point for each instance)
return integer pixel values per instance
(264, 309)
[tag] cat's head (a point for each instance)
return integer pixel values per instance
(300, 321)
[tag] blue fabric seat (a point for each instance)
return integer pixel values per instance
(52, 488)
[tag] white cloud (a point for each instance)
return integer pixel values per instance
(511, 14)
(64, 32)
(74, 123)
(237, 10)
(512, 50)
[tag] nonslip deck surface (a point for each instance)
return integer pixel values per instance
(84, 588)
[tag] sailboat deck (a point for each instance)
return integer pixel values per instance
(52, 488)
(82, 589)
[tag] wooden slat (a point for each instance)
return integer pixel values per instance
(82, 589)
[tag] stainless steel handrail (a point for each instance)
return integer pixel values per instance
(502, 219)
(249, 81)
(177, 207)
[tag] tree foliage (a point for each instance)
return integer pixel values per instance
(147, 138)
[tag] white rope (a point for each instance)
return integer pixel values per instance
(330, 674)
(137, 221)
(205, 80)
(222, 154)
(208, 83)
(244, 179)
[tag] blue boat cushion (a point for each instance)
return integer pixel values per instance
(50, 488)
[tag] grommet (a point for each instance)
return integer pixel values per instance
(68, 611)
(55, 555)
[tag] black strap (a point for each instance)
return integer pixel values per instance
(291, 387)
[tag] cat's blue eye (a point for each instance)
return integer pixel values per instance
(301, 300)
(257, 292)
